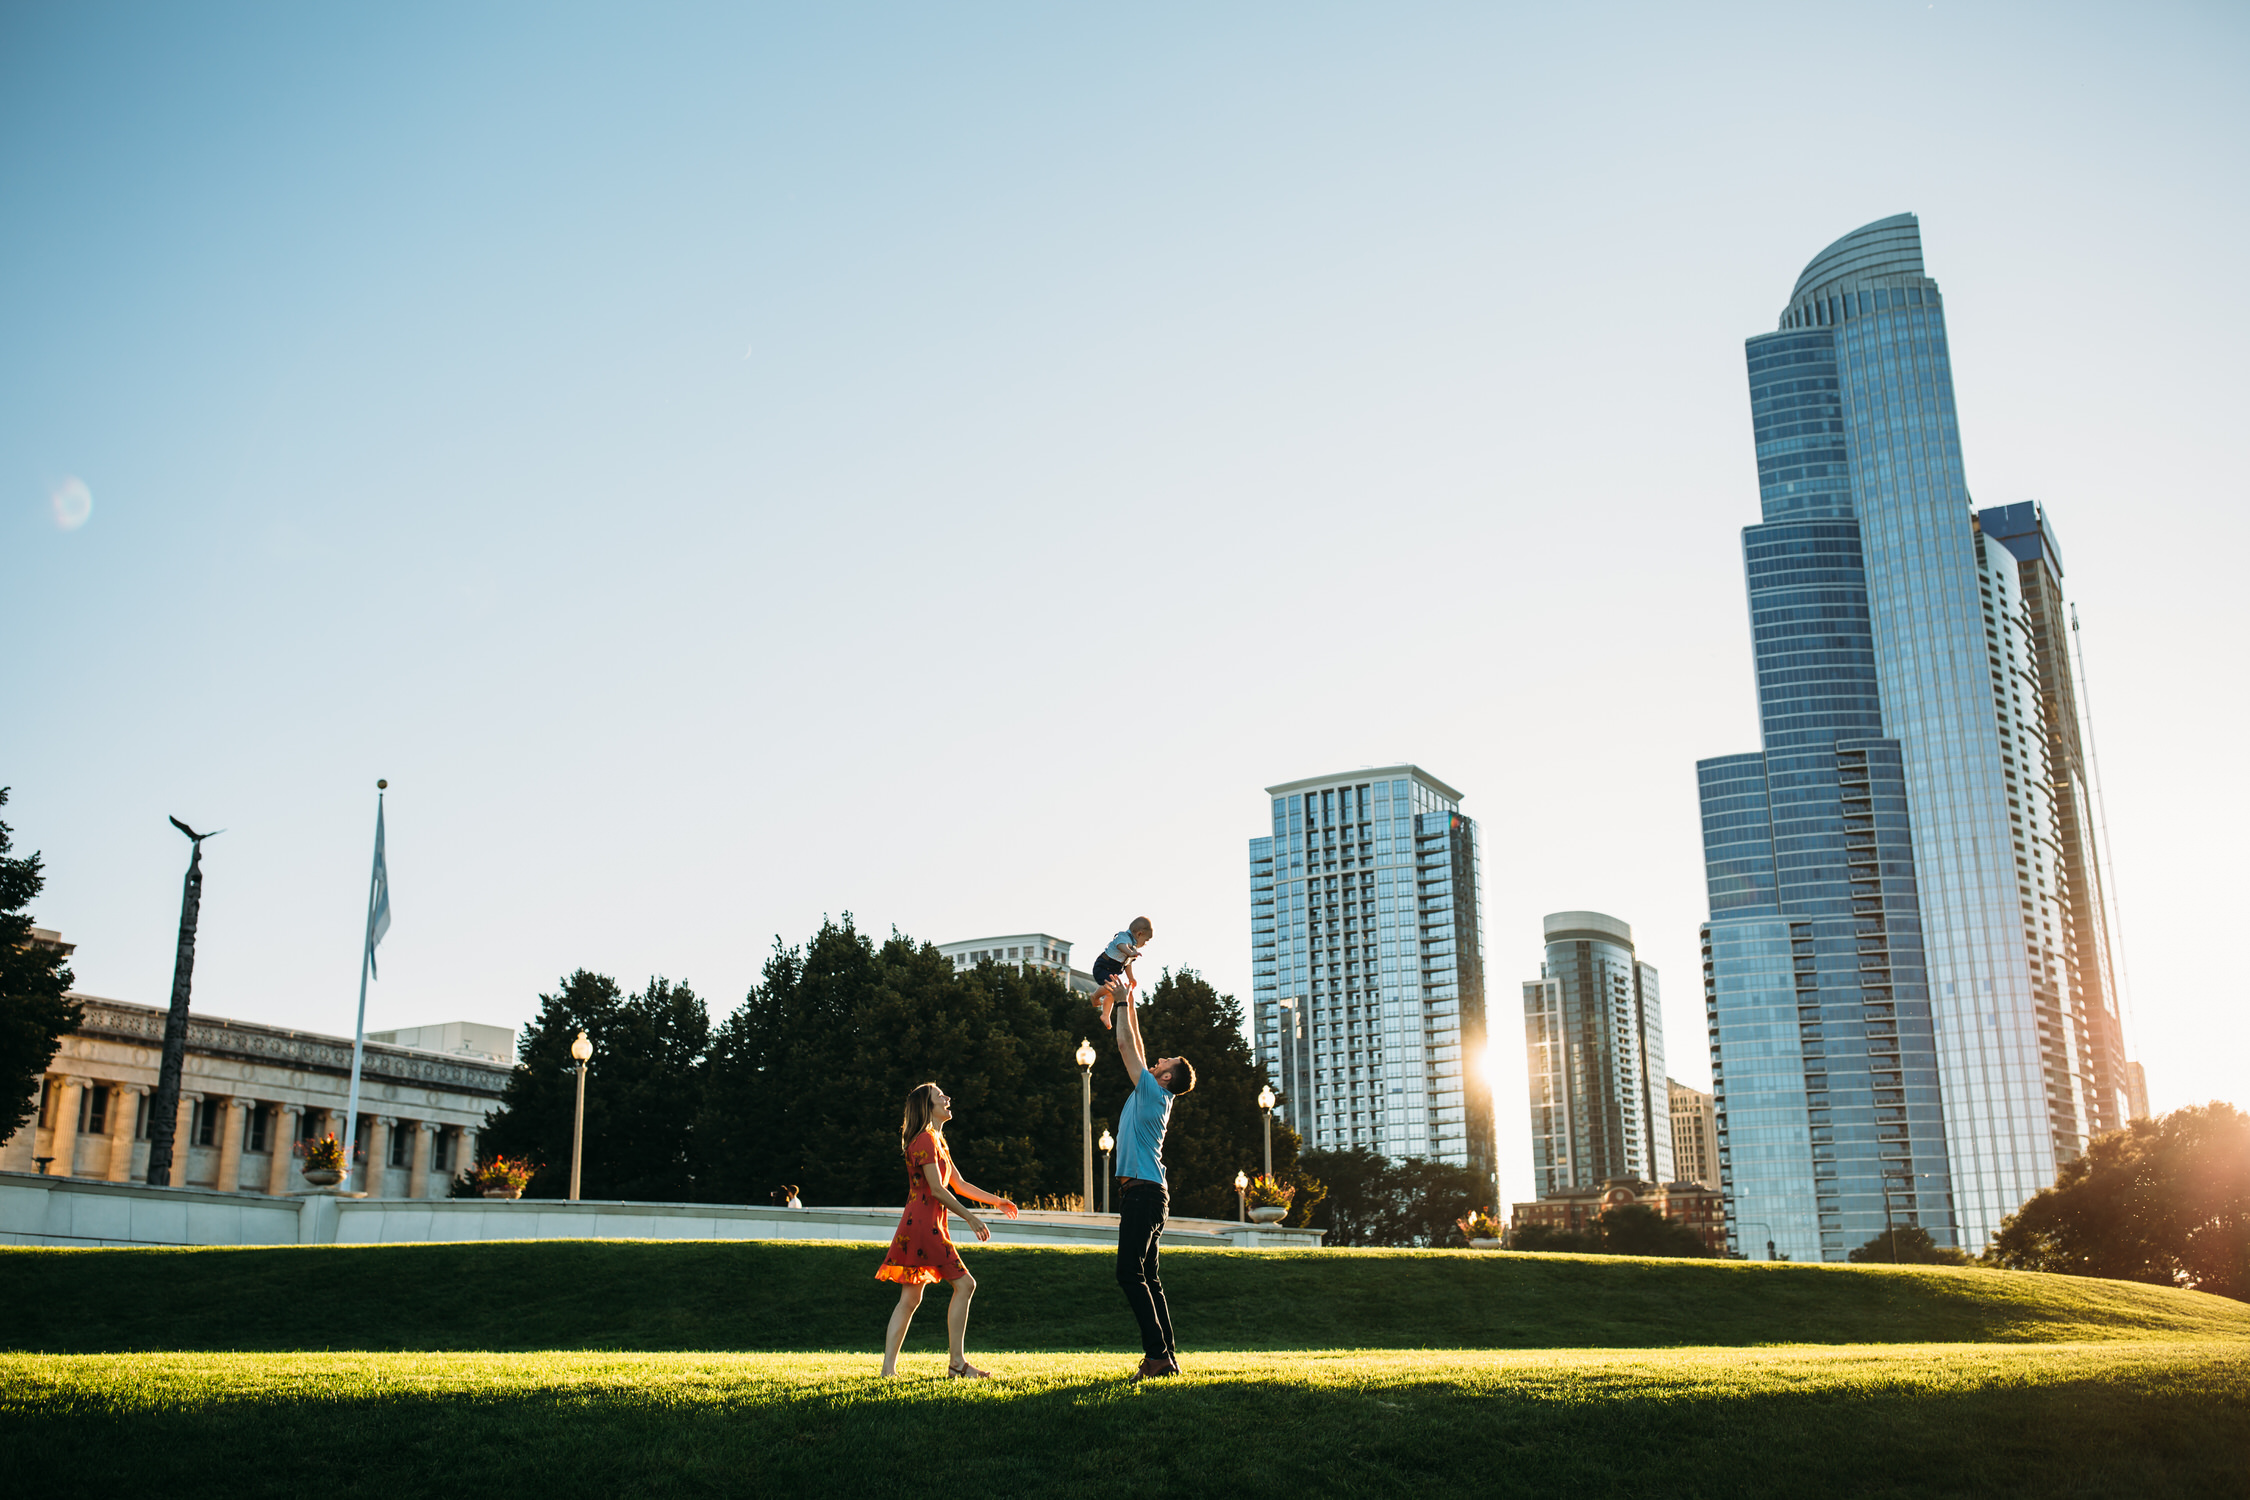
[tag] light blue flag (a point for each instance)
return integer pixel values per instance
(379, 899)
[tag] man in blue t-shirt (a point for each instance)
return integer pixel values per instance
(1141, 1206)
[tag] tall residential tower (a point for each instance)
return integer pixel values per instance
(1366, 957)
(1593, 1027)
(1894, 1032)
(2069, 858)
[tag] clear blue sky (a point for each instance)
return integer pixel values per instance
(726, 466)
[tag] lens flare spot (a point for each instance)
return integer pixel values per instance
(72, 503)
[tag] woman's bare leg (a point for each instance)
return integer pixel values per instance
(957, 1323)
(909, 1298)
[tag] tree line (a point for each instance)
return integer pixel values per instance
(803, 1083)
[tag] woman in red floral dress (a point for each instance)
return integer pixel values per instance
(922, 1252)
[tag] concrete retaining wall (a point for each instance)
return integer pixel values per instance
(36, 1210)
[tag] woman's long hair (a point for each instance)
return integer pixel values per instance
(920, 1105)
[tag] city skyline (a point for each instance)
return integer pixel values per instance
(738, 471)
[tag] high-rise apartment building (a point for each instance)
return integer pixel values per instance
(1894, 1037)
(1593, 1026)
(1695, 1142)
(2085, 1038)
(1366, 955)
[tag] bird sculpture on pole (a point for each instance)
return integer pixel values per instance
(164, 1107)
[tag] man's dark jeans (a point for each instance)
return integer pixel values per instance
(1140, 1224)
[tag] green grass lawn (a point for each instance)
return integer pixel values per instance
(2124, 1419)
(634, 1368)
(597, 1294)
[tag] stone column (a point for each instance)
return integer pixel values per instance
(284, 1147)
(234, 1121)
(378, 1140)
(183, 1138)
(124, 1109)
(62, 1141)
(465, 1152)
(418, 1160)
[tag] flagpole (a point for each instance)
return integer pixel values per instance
(366, 962)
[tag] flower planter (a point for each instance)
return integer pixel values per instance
(1268, 1215)
(1484, 1244)
(323, 1176)
(504, 1190)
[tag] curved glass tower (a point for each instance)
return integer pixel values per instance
(1890, 1038)
(1593, 1024)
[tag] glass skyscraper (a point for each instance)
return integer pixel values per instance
(2067, 857)
(1593, 1025)
(1367, 965)
(1893, 1037)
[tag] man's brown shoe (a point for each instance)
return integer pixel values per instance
(1152, 1368)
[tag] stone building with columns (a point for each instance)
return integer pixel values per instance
(248, 1095)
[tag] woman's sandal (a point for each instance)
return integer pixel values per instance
(965, 1371)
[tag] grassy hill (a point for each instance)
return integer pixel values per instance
(766, 1296)
(659, 1369)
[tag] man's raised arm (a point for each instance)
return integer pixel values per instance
(1129, 1042)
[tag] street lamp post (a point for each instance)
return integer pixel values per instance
(580, 1049)
(1107, 1145)
(1265, 1102)
(1291, 1046)
(1086, 1118)
(1241, 1197)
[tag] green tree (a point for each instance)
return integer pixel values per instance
(643, 1091)
(34, 979)
(1428, 1198)
(1358, 1198)
(1375, 1201)
(2164, 1201)
(1637, 1229)
(1908, 1245)
(1217, 1130)
(809, 1075)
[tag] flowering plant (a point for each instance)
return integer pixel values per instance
(503, 1172)
(323, 1155)
(1264, 1192)
(1480, 1225)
